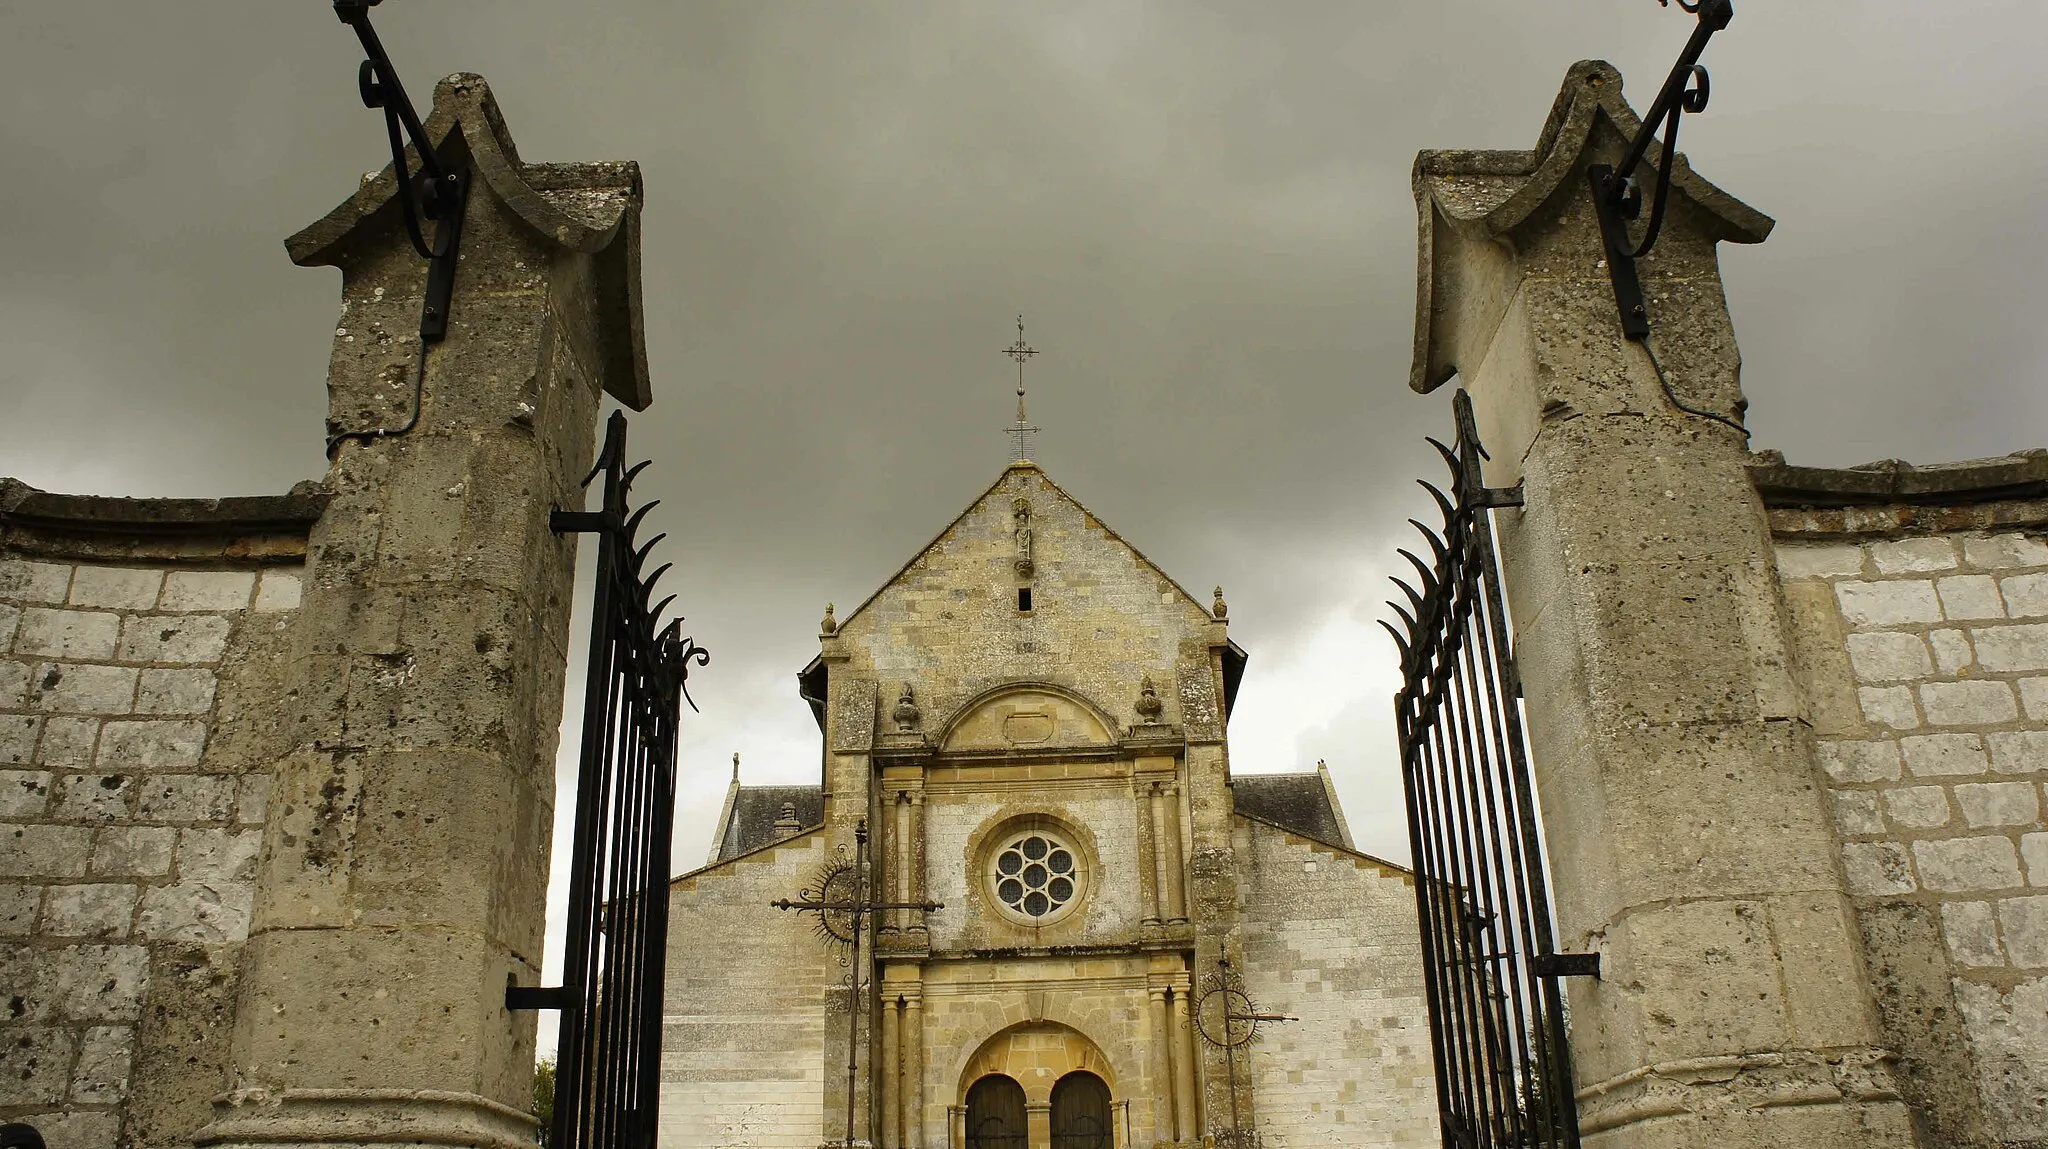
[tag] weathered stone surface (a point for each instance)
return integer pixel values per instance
(99, 910)
(134, 851)
(71, 634)
(1895, 603)
(23, 793)
(82, 689)
(28, 581)
(175, 692)
(1877, 868)
(36, 851)
(2024, 924)
(116, 588)
(174, 638)
(1999, 804)
(151, 746)
(1859, 761)
(196, 911)
(1889, 656)
(207, 590)
(1905, 556)
(1889, 706)
(68, 742)
(1972, 932)
(19, 905)
(1968, 703)
(1917, 807)
(1965, 864)
(1970, 597)
(2010, 648)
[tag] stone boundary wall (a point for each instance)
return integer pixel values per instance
(1921, 623)
(140, 650)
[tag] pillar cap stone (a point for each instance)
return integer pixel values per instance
(1487, 195)
(593, 208)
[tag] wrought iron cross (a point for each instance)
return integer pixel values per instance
(855, 907)
(1021, 352)
(1229, 1020)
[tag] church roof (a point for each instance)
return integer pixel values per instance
(1303, 804)
(752, 814)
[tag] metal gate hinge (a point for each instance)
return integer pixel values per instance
(578, 522)
(540, 997)
(1499, 496)
(1566, 965)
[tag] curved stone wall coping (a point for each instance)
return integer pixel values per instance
(2021, 475)
(248, 529)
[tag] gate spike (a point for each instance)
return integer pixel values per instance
(1436, 544)
(640, 556)
(1405, 616)
(1450, 456)
(633, 523)
(1443, 501)
(1428, 576)
(1413, 598)
(647, 585)
(1398, 640)
(655, 612)
(626, 481)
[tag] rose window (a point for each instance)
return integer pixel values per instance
(1035, 875)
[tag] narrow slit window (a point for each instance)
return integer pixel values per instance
(1024, 599)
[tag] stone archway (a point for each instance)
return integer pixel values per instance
(1038, 1056)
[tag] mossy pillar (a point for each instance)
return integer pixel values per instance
(1688, 839)
(405, 863)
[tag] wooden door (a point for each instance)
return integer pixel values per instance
(995, 1114)
(1080, 1112)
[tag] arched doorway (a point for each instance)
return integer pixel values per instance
(995, 1114)
(1080, 1112)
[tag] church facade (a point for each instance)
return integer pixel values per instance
(1027, 725)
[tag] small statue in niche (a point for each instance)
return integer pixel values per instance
(1149, 706)
(906, 713)
(1020, 533)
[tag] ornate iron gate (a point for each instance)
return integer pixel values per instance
(1496, 1015)
(608, 1061)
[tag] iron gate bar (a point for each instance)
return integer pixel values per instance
(1496, 1013)
(607, 1083)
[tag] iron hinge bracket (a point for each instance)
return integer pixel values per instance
(540, 997)
(578, 522)
(1499, 496)
(1566, 965)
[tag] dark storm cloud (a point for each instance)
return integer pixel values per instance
(1203, 211)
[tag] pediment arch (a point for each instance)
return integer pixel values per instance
(1036, 1055)
(1027, 716)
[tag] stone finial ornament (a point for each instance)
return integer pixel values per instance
(1149, 706)
(735, 765)
(1020, 511)
(1219, 608)
(828, 624)
(906, 713)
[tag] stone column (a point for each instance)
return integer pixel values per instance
(915, 864)
(1038, 1124)
(1155, 892)
(889, 1071)
(1688, 841)
(1175, 908)
(1162, 1065)
(1184, 1114)
(405, 862)
(913, 1068)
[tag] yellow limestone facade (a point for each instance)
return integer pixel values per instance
(1030, 720)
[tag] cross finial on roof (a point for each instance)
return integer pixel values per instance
(1021, 429)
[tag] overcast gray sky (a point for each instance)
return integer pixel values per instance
(1202, 210)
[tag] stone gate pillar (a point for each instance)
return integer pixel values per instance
(405, 857)
(1688, 840)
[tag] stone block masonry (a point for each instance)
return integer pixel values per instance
(1922, 643)
(130, 826)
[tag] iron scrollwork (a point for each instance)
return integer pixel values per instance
(1618, 197)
